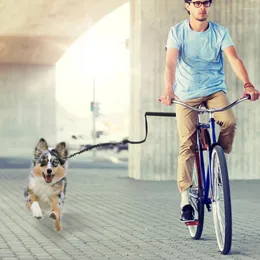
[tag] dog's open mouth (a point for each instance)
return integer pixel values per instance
(48, 178)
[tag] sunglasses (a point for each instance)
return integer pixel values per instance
(198, 4)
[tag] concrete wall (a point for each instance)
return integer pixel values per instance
(27, 107)
(150, 23)
(242, 19)
(156, 159)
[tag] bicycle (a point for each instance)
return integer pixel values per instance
(208, 188)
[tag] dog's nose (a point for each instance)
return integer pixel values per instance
(49, 171)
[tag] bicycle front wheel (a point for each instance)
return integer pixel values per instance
(221, 200)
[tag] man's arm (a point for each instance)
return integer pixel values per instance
(169, 76)
(170, 68)
(236, 64)
(239, 68)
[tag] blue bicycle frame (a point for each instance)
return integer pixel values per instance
(205, 178)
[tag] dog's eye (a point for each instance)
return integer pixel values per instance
(55, 163)
(43, 162)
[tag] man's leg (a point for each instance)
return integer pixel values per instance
(186, 123)
(225, 119)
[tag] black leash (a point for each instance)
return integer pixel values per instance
(164, 114)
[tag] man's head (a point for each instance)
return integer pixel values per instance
(198, 9)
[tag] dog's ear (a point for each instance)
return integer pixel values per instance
(40, 148)
(61, 149)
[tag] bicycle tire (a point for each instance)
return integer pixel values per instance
(197, 203)
(220, 180)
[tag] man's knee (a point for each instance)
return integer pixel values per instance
(227, 134)
(232, 121)
(228, 123)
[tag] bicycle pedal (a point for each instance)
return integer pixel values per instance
(192, 223)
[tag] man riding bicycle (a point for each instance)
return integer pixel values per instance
(194, 74)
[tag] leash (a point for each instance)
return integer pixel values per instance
(162, 114)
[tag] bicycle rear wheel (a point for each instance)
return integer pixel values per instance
(221, 200)
(196, 192)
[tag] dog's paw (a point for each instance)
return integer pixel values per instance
(36, 210)
(53, 215)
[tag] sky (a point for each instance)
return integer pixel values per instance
(100, 55)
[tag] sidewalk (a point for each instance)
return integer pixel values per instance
(109, 216)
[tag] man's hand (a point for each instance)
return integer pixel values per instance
(166, 99)
(251, 91)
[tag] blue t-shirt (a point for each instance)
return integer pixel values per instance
(199, 70)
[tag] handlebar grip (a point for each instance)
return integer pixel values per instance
(248, 96)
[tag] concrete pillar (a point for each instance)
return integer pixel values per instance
(151, 20)
(156, 159)
(28, 111)
(243, 21)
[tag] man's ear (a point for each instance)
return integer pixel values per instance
(187, 6)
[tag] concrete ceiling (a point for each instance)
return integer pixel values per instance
(40, 31)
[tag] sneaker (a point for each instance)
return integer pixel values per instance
(187, 213)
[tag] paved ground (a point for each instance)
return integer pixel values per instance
(109, 216)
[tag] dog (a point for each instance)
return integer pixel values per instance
(46, 186)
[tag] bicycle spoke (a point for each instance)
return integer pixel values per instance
(221, 218)
(194, 205)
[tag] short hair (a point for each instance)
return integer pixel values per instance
(188, 1)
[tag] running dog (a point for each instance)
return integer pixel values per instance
(46, 187)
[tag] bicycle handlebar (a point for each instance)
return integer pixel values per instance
(211, 110)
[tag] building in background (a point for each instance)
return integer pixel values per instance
(100, 58)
